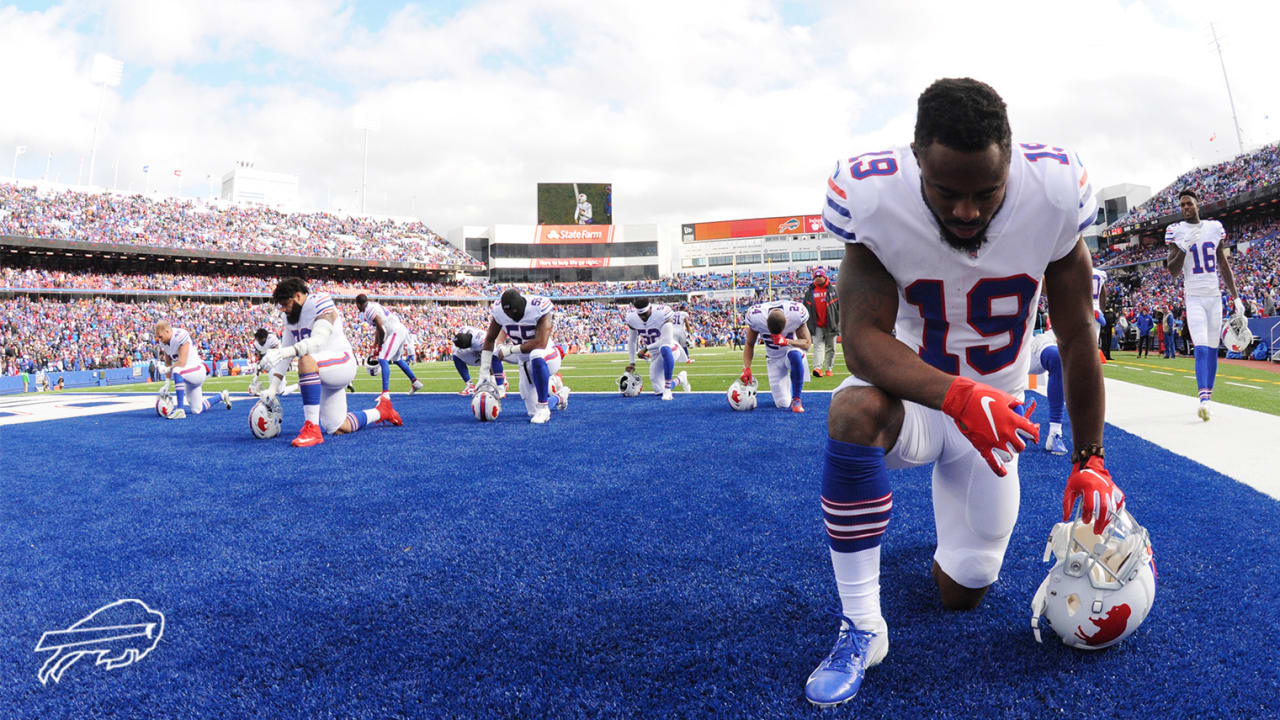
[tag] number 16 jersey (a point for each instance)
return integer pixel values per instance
(966, 313)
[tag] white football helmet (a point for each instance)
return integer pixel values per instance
(265, 419)
(1101, 587)
(485, 405)
(742, 396)
(165, 404)
(1236, 334)
(557, 384)
(582, 197)
(630, 384)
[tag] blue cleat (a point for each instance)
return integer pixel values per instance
(1055, 445)
(838, 677)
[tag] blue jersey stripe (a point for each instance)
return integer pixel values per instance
(831, 203)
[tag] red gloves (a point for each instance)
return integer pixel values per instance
(991, 420)
(780, 340)
(1100, 499)
(745, 377)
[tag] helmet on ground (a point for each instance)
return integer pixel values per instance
(1101, 587)
(630, 384)
(557, 384)
(485, 405)
(165, 404)
(265, 419)
(742, 396)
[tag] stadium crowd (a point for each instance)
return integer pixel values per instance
(1212, 183)
(214, 225)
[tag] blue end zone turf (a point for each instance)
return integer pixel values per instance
(632, 558)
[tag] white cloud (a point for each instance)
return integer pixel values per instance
(694, 110)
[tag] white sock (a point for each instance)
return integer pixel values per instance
(1055, 428)
(372, 416)
(858, 581)
(311, 413)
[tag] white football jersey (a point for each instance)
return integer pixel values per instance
(263, 347)
(317, 304)
(648, 331)
(583, 213)
(965, 313)
(1200, 241)
(1099, 279)
(390, 321)
(679, 317)
(471, 355)
(526, 328)
(758, 320)
(177, 338)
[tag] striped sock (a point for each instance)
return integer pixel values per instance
(309, 388)
(856, 503)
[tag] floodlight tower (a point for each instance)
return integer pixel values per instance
(365, 122)
(107, 72)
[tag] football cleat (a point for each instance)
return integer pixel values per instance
(1202, 412)
(796, 407)
(387, 412)
(468, 389)
(666, 393)
(225, 396)
(683, 379)
(177, 414)
(415, 387)
(827, 373)
(817, 372)
(541, 415)
(563, 396)
(309, 435)
(351, 387)
(838, 677)
(1055, 445)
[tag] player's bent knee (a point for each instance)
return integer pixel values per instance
(865, 416)
(954, 595)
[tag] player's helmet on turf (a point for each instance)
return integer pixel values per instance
(165, 404)
(742, 396)
(630, 384)
(1236, 334)
(1101, 587)
(265, 419)
(557, 384)
(485, 405)
(371, 364)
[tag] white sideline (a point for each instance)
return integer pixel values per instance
(1236, 442)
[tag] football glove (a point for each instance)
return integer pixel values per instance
(1100, 499)
(1239, 307)
(643, 354)
(272, 357)
(164, 388)
(1098, 318)
(780, 340)
(506, 350)
(991, 420)
(745, 377)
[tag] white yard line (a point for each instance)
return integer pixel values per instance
(1254, 387)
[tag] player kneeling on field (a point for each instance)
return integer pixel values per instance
(782, 326)
(326, 365)
(528, 323)
(187, 371)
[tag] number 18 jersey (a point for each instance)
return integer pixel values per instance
(965, 313)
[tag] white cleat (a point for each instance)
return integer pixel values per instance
(502, 391)
(564, 398)
(226, 398)
(666, 393)
(683, 378)
(1203, 412)
(541, 415)
(417, 385)
(178, 414)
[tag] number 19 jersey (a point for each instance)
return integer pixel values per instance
(965, 313)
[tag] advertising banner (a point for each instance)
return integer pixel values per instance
(756, 227)
(591, 262)
(575, 234)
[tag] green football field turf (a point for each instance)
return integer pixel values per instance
(1252, 386)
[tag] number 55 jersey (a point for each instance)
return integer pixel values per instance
(966, 313)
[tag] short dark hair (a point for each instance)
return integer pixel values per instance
(1189, 193)
(287, 288)
(261, 335)
(776, 321)
(640, 303)
(361, 299)
(963, 114)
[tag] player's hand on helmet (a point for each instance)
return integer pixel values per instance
(1238, 305)
(780, 340)
(991, 420)
(268, 396)
(745, 377)
(272, 357)
(1100, 498)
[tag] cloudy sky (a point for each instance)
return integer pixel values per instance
(694, 110)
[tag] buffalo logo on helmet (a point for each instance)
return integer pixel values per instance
(1110, 626)
(485, 405)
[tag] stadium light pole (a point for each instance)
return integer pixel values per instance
(107, 71)
(1234, 118)
(365, 123)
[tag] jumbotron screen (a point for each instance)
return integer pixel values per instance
(575, 203)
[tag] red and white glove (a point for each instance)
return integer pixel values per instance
(1100, 499)
(745, 377)
(780, 340)
(992, 420)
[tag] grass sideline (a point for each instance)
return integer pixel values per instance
(715, 368)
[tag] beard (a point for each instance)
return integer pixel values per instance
(294, 314)
(956, 242)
